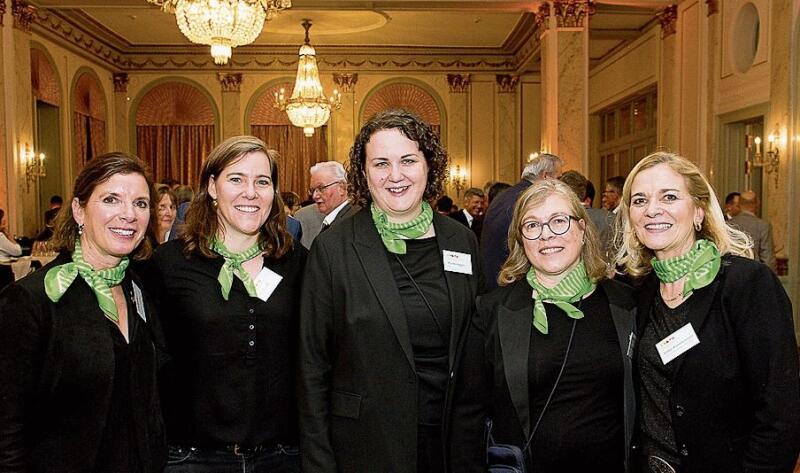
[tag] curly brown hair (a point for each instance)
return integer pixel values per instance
(96, 172)
(416, 130)
(202, 221)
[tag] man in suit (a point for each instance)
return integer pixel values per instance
(732, 208)
(612, 194)
(472, 213)
(759, 230)
(328, 188)
(494, 236)
(601, 218)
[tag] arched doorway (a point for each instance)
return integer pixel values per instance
(88, 118)
(47, 97)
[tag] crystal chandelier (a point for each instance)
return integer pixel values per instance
(308, 108)
(222, 24)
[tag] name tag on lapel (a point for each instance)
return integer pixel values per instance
(456, 262)
(266, 282)
(677, 343)
(138, 301)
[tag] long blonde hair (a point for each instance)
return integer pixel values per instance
(636, 257)
(517, 264)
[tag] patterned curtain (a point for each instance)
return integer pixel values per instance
(175, 151)
(97, 137)
(81, 139)
(298, 153)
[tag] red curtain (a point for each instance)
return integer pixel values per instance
(175, 151)
(298, 153)
(97, 136)
(81, 139)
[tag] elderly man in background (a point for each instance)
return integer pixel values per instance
(494, 236)
(759, 229)
(471, 214)
(328, 188)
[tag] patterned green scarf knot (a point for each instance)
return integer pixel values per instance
(59, 278)
(571, 288)
(700, 266)
(233, 266)
(392, 233)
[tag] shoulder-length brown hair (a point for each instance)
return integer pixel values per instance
(202, 220)
(416, 130)
(96, 172)
(517, 264)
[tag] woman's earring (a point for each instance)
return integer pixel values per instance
(214, 203)
(80, 229)
(698, 226)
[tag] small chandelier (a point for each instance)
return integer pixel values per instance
(308, 108)
(222, 24)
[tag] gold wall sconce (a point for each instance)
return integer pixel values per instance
(770, 159)
(34, 163)
(458, 178)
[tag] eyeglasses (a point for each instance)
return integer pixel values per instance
(558, 225)
(321, 188)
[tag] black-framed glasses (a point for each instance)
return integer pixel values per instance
(321, 188)
(558, 225)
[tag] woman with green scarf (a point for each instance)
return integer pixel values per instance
(387, 295)
(228, 290)
(716, 361)
(77, 338)
(547, 359)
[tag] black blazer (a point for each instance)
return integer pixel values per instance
(358, 387)
(735, 398)
(492, 376)
(494, 234)
(56, 373)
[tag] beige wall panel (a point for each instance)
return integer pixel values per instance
(626, 72)
(689, 39)
(530, 121)
(482, 129)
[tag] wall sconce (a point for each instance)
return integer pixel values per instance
(458, 178)
(34, 165)
(771, 159)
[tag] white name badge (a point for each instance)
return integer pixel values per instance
(456, 262)
(138, 301)
(266, 282)
(677, 343)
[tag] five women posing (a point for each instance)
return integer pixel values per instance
(400, 365)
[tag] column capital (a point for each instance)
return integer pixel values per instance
(2, 11)
(459, 83)
(23, 15)
(667, 17)
(121, 80)
(713, 7)
(543, 17)
(345, 82)
(572, 13)
(507, 83)
(230, 81)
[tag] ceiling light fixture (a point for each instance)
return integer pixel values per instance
(308, 108)
(222, 24)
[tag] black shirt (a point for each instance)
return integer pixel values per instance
(232, 375)
(658, 437)
(582, 429)
(429, 332)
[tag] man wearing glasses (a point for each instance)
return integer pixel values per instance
(328, 189)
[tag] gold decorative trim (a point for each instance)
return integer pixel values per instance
(230, 81)
(459, 83)
(543, 18)
(668, 17)
(713, 7)
(2, 11)
(507, 83)
(23, 15)
(82, 42)
(571, 13)
(345, 82)
(121, 80)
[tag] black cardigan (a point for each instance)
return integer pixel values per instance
(56, 376)
(494, 367)
(735, 398)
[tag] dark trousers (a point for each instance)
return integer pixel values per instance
(430, 451)
(279, 459)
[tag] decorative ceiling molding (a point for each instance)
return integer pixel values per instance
(121, 80)
(668, 17)
(23, 15)
(345, 82)
(458, 83)
(51, 24)
(230, 81)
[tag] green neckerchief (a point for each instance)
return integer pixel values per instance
(59, 278)
(233, 266)
(701, 264)
(572, 288)
(392, 233)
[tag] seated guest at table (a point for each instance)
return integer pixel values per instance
(165, 213)
(717, 356)
(8, 247)
(77, 358)
(546, 357)
(229, 291)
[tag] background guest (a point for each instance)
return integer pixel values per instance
(732, 208)
(612, 193)
(759, 230)
(165, 213)
(471, 215)
(8, 247)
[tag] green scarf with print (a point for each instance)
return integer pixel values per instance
(571, 288)
(392, 234)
